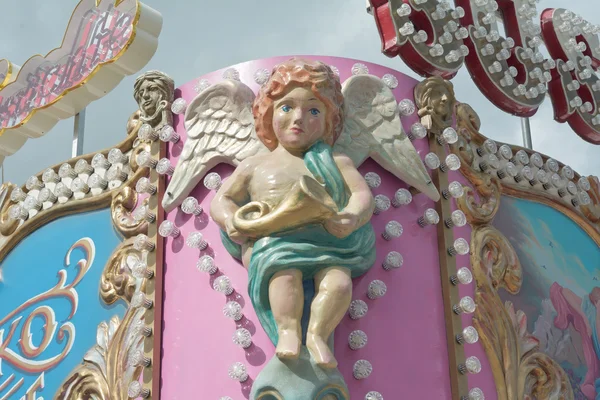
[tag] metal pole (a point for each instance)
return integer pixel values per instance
(526, 131)
(78, 133)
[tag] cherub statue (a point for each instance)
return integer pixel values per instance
(296, 210)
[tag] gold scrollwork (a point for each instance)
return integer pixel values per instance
(520, 369)
(7, 225)
(117, 282)
(122, 206)
(480, 207)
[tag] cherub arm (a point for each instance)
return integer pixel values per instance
(232, 195)
(360, 205)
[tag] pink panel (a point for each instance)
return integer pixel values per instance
(406, 330)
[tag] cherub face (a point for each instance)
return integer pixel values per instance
(441, 102)
(299, 119)
(149, 96)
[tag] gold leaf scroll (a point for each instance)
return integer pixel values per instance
(105, 373)
(480, 206)
(520, 369)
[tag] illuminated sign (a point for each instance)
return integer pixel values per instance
(433, 38)
(105, 41)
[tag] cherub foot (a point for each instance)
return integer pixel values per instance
(288, 346)
(320, 351)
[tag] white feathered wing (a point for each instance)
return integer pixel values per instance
(372, 128)
(220, 129)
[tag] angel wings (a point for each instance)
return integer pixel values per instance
(220, 129)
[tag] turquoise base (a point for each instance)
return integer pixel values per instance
(299, 379)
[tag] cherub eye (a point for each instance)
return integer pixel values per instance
(315, 111)
(286, 108)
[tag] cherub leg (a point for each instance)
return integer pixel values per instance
(333, 296)
(286, 296)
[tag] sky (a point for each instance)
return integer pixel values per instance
(199, 37)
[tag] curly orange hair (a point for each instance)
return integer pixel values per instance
(298, 72)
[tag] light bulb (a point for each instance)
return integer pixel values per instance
(66, 171)
(137, 358)
(390, 80)
(144, 159)
(460, 247)
(136, 390)
(536, 160)
(31, 203)
(79, 185)
(17, 195)
(46, 195)
(393, 260)
(457, 218)
(357, 339)
(449, 136)
(489, 161)
(584, 184)
(140, 270)
(451, 163)
(232, 74)
(521, 158)
(472, 365)
(417, 131)
(402, 197)
(142, 242)
(143, 213)
(465, 305)
(167, 228)
(147, 132)
(190, 206)
(430, 217)
(551, 165)
(139, 299)
(474, 394)
(527, 173)
(62, 190)
(168, 134)
(262, 75)
(406, 107)
(116, 173)
(206, 264)
(359, 69)
(382, 203)
(143, 185)
(468, 335)
(233, 310)
(242, 338)
(17, 212)
(212, 181)
(583, 199)
(358, 309)
(505, 152)
(100, 162)
(33, 183)
(362, 369)
(463, 276)
(455, 190)
(432, 161)
(164, 167)
(404, 10)
(509, 169)
(50, 176)
(238, 372)
(116, 156)
(488, 147)
(567, 172)
(223, 285)
(393, 229)
(373, 395)
(96, 181)
(373, 180)
(82, 167)
(377, 289)
(195, 240)
(179, 106)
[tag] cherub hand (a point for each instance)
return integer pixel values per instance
(233, 233)
(341, 224)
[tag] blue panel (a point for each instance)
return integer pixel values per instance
(561, 287)
(31, 269)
